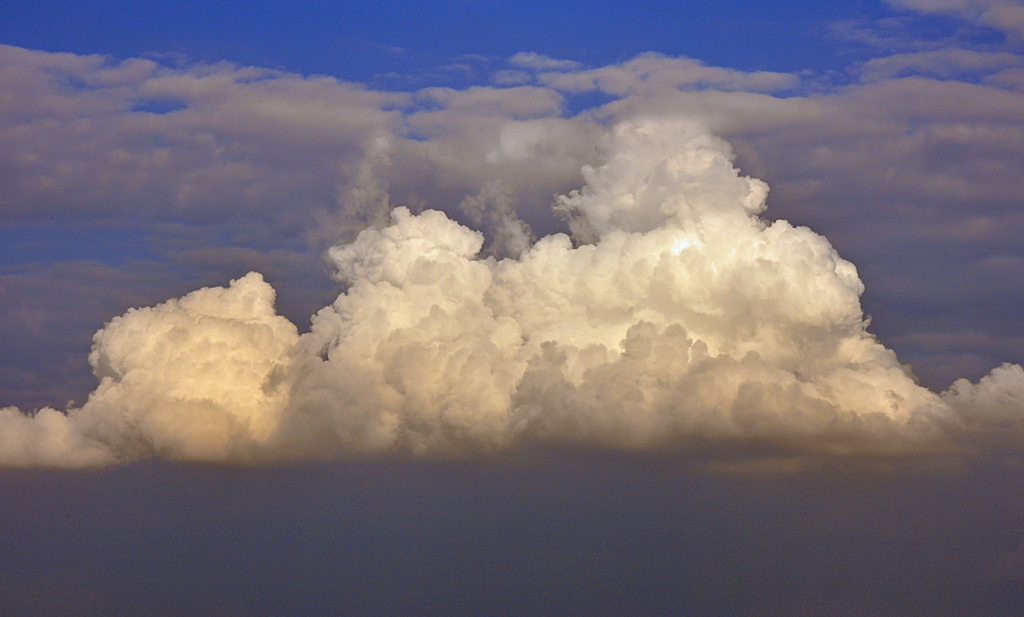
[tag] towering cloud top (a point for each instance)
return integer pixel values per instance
(674, 311)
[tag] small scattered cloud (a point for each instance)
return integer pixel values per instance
(1007, 16)
(538, 62)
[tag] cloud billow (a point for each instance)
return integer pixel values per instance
(673, 311)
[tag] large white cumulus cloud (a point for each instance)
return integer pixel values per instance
(674, 311)
(194, 378)
(687, 313)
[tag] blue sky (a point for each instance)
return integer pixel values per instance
(356, 40)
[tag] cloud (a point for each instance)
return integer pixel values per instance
(539, 62)
(652, 72)
(511, 78)
(910, 171)
(75, 146)
(192, 378)
(911, 177)
(521, 102)
(678, 312)
(269, 151)
(1003, 15)
(941, 63)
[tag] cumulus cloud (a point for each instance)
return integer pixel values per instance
(675, 310)
(913, 177)
(193, 378)
(909, 164)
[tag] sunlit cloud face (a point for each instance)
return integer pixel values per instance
(633, 336)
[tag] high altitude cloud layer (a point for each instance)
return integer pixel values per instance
(678, 312)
